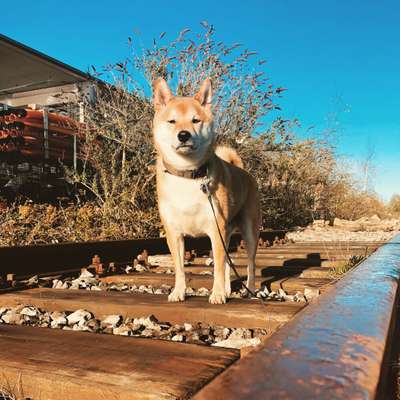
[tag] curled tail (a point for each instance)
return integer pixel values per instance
(229, 155)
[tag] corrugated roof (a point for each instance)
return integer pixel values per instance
(23, 68)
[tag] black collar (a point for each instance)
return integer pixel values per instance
(200, 172)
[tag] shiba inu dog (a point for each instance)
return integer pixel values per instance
(184, 138)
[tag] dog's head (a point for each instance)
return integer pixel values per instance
(182, 127)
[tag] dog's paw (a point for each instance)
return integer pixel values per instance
(177, 295)
(217, 298)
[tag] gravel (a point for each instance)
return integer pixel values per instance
(363, 229)
(145, 326)
(88, 281)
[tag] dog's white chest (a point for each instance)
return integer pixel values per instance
(184, 207)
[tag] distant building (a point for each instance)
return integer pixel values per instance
(31, 79)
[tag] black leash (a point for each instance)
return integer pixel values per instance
(206, 190)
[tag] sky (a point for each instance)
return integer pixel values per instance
(339, 60)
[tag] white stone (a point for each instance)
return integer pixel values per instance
(85, 274)
(111, 321)
(190, 291)
(188, 327)
(3, 310)
(65, 285)
(281, 292)
(29, 311)
(75, 284)
(77, 316)
(177, 338)
(140, 268)
(240, 333)
(80, 328)
(203, 291)
(149, 322)
(142, 288)
(238, 343)
(147, 333)
(59, 285)
(290, 297)
(311, 293)
(33, 280)
(57, 319)
(128, 269)
(122, 330)
(11, 317)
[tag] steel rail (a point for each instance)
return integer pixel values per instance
(51, 258)
(337, 348)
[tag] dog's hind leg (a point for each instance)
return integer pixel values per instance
(228, 269)
(250, 234)
(176, 246)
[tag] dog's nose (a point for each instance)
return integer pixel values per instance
(184, 136)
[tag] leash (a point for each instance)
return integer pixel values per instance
(206, 190)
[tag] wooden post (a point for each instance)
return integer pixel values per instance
(46, 132)
(112, 268)
(10, 279)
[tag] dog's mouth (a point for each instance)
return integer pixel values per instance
(185, 148)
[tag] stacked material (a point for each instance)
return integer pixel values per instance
(37, 135)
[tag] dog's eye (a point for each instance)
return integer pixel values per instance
(196, 121)
(171, 121)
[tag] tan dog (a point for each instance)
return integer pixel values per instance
(185, 141)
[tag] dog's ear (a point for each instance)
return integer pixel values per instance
(204, 95)
(161, 93)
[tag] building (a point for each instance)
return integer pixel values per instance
(32, 80)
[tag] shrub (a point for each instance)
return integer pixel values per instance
(394, 205)
(293, 176)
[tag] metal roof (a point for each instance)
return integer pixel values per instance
(23, 69)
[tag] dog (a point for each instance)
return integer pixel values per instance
(187, 156)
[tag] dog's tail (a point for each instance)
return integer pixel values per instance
(229, 155)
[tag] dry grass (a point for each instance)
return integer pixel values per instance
(337, 272)
(11, 390)
(41, 223)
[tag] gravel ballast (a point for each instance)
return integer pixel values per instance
(144, 327)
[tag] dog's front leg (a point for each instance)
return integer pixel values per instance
(219, 292)
(176, 246)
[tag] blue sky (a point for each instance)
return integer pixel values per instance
(335, 57)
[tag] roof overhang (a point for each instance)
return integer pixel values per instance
(23, 69)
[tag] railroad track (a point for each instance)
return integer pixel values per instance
(315, 337)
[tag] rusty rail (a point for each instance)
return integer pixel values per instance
(31, 260)
(337, 348)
